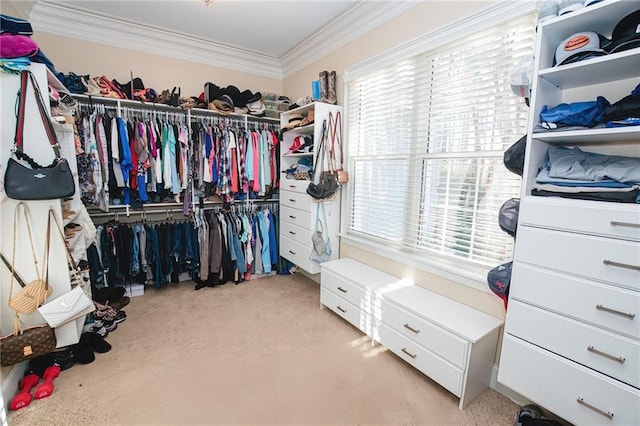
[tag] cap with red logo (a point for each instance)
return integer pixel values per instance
(579, 47)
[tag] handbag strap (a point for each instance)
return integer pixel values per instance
(335, 126)
(323, 223)
(72, 263)
(27, 76)
(16, 321)
(320, 151)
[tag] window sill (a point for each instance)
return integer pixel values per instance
(459, 273)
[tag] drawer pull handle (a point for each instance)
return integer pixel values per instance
(292, 186)
(341, 310)
(621, 265)
(292, 233)
(627, 224)
(292, 252)
(408, 327)
(343, 290)
(613, 311)
(607, 414)
(292, 217)
(414, 356)
(292, 200)
(619, 359)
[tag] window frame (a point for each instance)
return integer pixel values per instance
(441, 265)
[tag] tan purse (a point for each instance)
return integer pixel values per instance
(35, 293)
(335, 129)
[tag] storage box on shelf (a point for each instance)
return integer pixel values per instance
(297, 208)
(451, 343)
(572, 333)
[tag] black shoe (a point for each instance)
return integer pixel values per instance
(120, 317)
(98, 344)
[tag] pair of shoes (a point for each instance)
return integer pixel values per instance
(124, 301)
(104, 312)
(328, 87)
(306, 147)
(97, 326)
(30, 380)
(95, 342)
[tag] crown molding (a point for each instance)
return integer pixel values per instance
(356, 22)
(58, 19)
(54, 18)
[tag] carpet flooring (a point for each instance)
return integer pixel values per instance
(260, 353)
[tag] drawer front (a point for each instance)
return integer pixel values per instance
(297, 217)
(446, 345)
(608, 353)
(298, 254)
(296, 200)
(446, 374)
(595, 218)
(296, 233)
(603, 305)
(346, 310)
(581, 255)
(559, 384)
(347, 290)
(294, 185)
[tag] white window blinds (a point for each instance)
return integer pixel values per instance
(426, 137)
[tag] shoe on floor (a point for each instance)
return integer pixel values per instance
(124, 301)
(98, 344)
(121, 316)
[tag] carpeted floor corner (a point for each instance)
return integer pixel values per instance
(260, 353)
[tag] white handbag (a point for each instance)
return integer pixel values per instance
(67, 307)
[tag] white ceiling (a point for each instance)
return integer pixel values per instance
(272, 38)
(262, 26)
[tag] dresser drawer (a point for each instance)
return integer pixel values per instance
(603, 351)
(297, 217)
(603, 305)
(432, 337)
(596, 218)
(346, 310)
(581, 255)
(446, 374)
(296, 233)
(559, 384)
(298, 254)
(297, 200)
(347, 290)
(294, 185)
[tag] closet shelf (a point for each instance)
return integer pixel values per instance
(602, 69)
(616, 134)
(168, 108)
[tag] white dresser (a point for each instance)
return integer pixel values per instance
(451, 343)
(297, 210)
(572, 330)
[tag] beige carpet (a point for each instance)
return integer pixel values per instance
(261, 352)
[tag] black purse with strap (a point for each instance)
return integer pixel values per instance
(24, 178)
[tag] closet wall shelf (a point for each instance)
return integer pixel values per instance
(617, 134)
(168, 108)
(618, 66)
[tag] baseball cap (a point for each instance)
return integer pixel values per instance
(626, 34)
(508, 216)
(579, 47)
(499, 279)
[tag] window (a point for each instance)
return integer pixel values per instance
(426, 139)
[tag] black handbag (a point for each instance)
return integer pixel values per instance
(327, 180)
(24, 178)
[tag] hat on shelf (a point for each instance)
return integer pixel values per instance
(308, 119)
(626, 34)
(580, 46)
(294, 121)
(223, 105)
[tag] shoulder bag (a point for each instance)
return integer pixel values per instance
(327, 182)
(73, 304)
(35, 293)
(24, 178)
